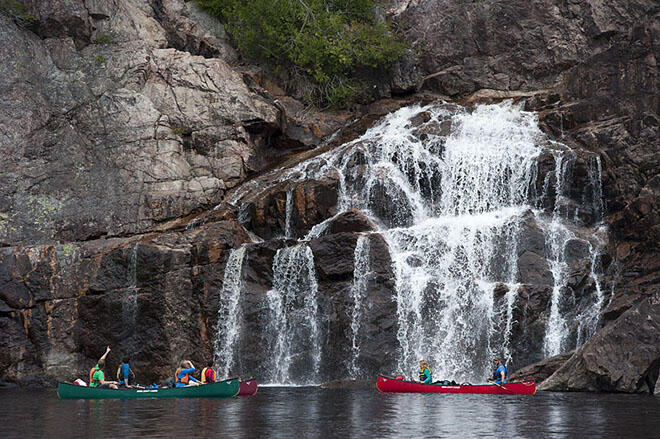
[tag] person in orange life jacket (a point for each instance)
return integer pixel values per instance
(499, 373)
(124, 374)
(208, 374)
(97, 377)
(182, 375)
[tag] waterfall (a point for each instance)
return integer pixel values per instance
(129, 306)
(358, 289)
(557, 329)
(453, 192)
(228, 328)
(294, 345)
(594, 194)
(458, 203)
(288, 214)
(451, 208)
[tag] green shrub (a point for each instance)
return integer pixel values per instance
(100, 60)
(337, 44)
(180, 131)
(101, 39)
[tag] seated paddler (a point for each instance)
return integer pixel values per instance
(208, 373)
(425, 373)
(125, 374)
(182, 375)
(499, 372)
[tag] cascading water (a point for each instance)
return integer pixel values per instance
(288, 214)
(455, 206)
(129, 306)
(229, 319)
(452, 193)
(294, 344)
(360, 278)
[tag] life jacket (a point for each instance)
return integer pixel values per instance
(121, 378)
(422, 376)
(204, 375)
(183, 380)
(91, 373)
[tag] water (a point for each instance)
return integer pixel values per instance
(451, 190)
(229, 317)
(293, 333)
(325, 413)
(360, 277)
(129, 304)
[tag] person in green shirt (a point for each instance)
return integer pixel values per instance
(97, 377)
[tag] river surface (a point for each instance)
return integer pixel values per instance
(325, 413)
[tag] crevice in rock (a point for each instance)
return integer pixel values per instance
(184, 43)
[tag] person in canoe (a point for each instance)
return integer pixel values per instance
(97, 376)
(124, 374)
(499, 373)
(425, 373)
(208, 373)
(182, 375)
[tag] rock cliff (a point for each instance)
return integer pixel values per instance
(139, 149)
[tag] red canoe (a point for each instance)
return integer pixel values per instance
(393, 385)
(247, 388)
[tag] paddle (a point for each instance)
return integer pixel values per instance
(499, 385)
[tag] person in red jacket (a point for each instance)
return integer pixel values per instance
(208, 374)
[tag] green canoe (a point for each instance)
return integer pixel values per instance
(221, 389)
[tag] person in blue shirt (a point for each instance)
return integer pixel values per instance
(425, 373)
(124, 373)
(499, 373)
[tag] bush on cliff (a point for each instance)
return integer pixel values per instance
(337, 44)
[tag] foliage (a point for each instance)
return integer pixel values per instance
(101, 39)
(332, 42)
(180, 131)
(18, 11)
(100, 60)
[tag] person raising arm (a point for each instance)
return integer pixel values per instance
(97, 376)
(182, 375)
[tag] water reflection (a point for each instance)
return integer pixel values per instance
(323, 413)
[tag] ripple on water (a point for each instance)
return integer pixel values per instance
(311, 412)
